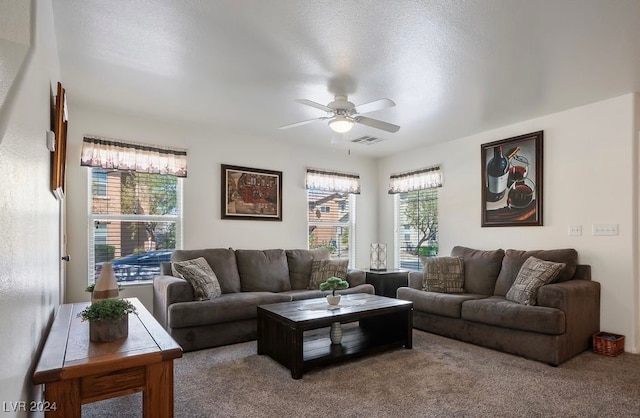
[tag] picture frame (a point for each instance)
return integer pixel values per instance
(512, 181)
(59, 155)
(251, 193)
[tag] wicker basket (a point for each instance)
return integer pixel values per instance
(608, 344)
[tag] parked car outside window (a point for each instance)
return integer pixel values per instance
(137, 267)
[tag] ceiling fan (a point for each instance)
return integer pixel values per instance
(342, 114)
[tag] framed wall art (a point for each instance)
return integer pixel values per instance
(251, 193)
(59, 155)
(512, 181)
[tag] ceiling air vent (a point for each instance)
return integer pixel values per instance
(367, 140)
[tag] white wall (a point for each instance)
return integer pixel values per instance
(29, 213)
(207, 149)
(589, 161)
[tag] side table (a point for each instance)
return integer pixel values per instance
(75, 370)
(387, 282)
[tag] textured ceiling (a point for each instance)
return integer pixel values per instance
(453, 68)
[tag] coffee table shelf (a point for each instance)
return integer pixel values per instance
(299, 339)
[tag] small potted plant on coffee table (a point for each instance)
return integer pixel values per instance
(108, 319)
(333, 284)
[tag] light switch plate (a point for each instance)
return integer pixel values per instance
(575, 230)
(605, 229)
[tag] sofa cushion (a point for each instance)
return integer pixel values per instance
(299, 262)
(514, 259)
(481, 269)
(227, 308)
(263, 270)
(222, 262)
(200, 276)
(533, 274)
(498, 311)
(444, 304)
(321, 270)
(443, 274)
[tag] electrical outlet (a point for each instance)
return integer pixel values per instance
(605, 229)
(575, 230)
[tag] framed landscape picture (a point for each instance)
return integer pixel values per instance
(251, 193)
(512, 181)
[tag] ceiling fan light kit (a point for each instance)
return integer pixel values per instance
(342, 114)
(341, 124)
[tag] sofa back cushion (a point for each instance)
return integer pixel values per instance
(481, 269)
(299, 262)
(263, 270)
(222, 262)
(514, 259)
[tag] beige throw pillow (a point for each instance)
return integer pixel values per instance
(533, 274)
(443, 274)
(321, 270)
(201, 277)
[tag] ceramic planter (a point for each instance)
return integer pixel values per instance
(333, 300)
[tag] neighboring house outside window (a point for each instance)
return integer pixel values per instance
(331, 209)
(331, 221)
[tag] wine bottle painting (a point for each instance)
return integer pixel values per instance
(512, 181)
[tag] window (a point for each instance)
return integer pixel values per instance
(331, 221)
(415, 215)
(331, 211)
(417, 226)
(135, 222)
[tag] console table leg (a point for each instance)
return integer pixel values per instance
(63, 398)
(158, 393)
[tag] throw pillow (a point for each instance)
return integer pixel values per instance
(533, 274)
(443, 274)
(200, 276)
(321, 270)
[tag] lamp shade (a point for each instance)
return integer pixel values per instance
(106, 285)
(341, 124)
(378, 257)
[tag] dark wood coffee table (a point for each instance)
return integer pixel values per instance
(285, 330)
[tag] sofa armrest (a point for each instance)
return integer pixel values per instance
(356, 277)
(580, 302)
(415, 279)
(166, 291)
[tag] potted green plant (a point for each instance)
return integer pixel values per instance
(108, 319)
(333, 284)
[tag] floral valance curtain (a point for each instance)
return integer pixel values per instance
(108, 153)
(332, 181)
(425, 178)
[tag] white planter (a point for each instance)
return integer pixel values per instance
(333, 300)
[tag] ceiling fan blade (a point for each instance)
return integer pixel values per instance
(314, 104)
(304, 122)
(378, 124)
(375, 105)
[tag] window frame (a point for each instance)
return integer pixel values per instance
(97, 217)
(400, 231)
(351, 224)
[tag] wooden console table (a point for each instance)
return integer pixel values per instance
(75, 371)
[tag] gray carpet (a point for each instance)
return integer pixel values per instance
(439, 377)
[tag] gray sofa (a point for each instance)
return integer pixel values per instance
(557, 328)
(247, 278)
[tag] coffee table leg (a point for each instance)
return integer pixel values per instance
(296, 352)
(409, 343)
